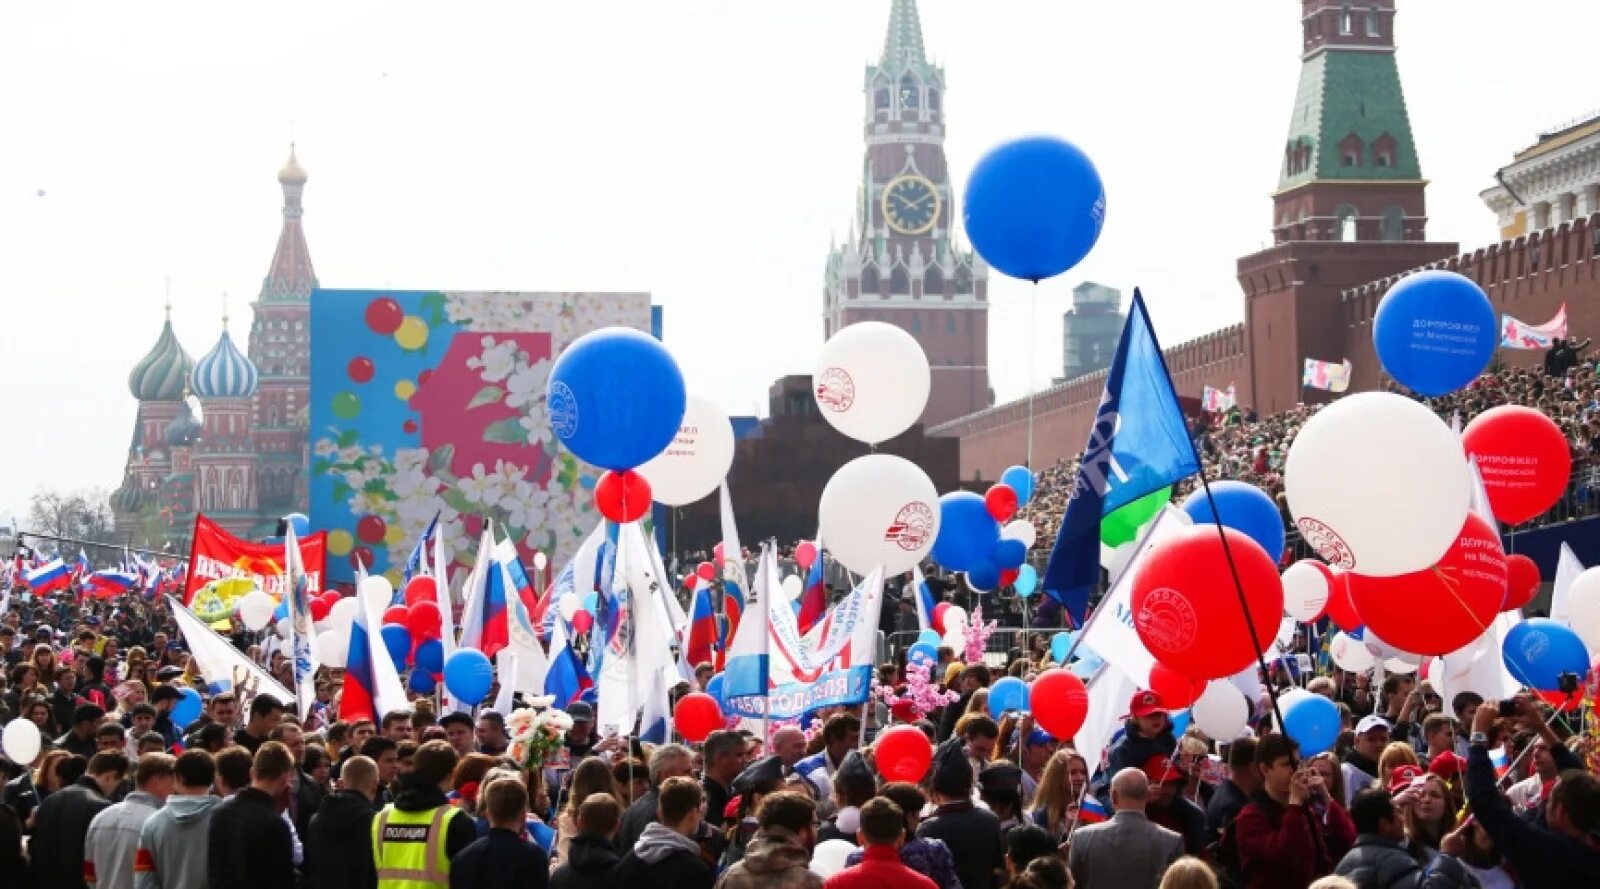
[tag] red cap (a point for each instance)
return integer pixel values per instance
(1447, 765)
(903, 711)
(1145, 703)
(1161, 769)
(1400, 777)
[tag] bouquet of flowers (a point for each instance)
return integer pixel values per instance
(535, 734)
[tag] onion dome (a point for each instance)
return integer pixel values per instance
(162, 373)
(184, 429)
(129, 498)
(292, 173)
(224, 372)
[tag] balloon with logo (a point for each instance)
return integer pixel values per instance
(1523, 457)
(903, 753)
(615, 398)
(1379, 517)
(1435, 331)
(1459, 596)
(871, 382)
(1242, 507)
(697, 460)
(1350, 653)
(1539, 651)
(1060, 702)
(1034, 207)
(1123, 524)
(1008, 695)
(468, 675)
(879, 510)
(1186, 608)
(967, 532)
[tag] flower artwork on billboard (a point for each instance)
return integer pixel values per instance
(429, 403)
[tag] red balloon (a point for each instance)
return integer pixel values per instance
(706, 571)
(696, 716)
(424, 620)
(716, 553)
(1001, 501)
(903, 754)
(805, 552)
(1523, 457)
(1060, 702)
(331, 597)
(396, 614)
(1340, 609)
(361, 369)
(421, 588)
(1440, 609)
(1175, 690)
(370, 529)
(361, 558)
(384, 316)
(1560, 701)
(938, 616)
(1186, 609)
(319, 609)
(1522, 581)
(1008, 576)
(582, 621)
(622, 496)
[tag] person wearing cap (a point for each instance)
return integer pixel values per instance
(1168, 807)
(1000, 788)
(973, 834)
(1128, 851)
(164, 698)
(1360, 765)
(1148, 733)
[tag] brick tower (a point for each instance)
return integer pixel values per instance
(901, 264)
(1350, 201)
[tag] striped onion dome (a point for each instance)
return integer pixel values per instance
(224, 372)
(162, 373)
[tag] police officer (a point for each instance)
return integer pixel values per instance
(415, 837)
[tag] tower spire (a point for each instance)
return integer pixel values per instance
(291, 277)
(902, 45)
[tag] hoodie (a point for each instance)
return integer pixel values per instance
(172, 845)
(775, 859)
(338, 843)
(663, 857)
(590, 861)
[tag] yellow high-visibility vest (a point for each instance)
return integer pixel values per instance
(409, 848)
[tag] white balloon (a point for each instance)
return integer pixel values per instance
(1221, 711)
(1020, 529)
(956, 641)
(20, 741)
(871, 382)
(376, 591)
(540, 560)
(284, 628)
(792, 587)
(1305, 591)
(333, 645)
(698, 458)
(1380, 649)
(1382, 517)
(828, 857)
(255, 610)
(955, 617)
(1350, 654)
(1400, 665)
(342, 614)
(568, 605)
(1583, 607)
(879, 510)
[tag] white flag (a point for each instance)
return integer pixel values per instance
(1567, 570)
(219, 662)
(1109, 693)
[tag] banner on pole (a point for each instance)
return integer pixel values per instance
(217, 555)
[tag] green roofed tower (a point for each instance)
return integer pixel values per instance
(1350, 169)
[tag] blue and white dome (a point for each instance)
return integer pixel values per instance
(224, 372)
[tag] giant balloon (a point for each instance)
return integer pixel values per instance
(871, 381)
(615, 398)
(1380, 517)
(1435, 331)
(1034, 207)
(879, 510)
(1439, 609)
(1306, 587)
(967, 532)
(1350, 653)
(1523, 457)
(1186, 607)
(1242, 507)
(697, 460)
(1538, 651)
(1583, 607)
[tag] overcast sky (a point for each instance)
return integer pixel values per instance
(702, 150)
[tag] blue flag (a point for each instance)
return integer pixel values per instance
(1139, 444)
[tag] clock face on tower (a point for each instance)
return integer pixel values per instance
(910, 204)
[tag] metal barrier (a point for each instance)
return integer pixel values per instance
(1001, 642)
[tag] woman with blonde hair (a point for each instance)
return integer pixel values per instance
(1061, 787)
(1397, 754)
(593, 775)
(1189, 872)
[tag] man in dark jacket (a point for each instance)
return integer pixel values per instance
(338, 841)
(1380, 860)
(972, 834)
(1233, 794)
(666, 853)
(79, 740)
(249, 846)
(1282, 843)
(1562, 854)
(61, 822)
(1170, 809)
(591, 857)
(502, 858)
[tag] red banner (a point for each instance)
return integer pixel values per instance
(216, 554)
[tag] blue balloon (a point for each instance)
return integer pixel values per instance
(430, 656)
(1538, 650)
(468, 675)
(397, 641)
(299, 523)
(1008, 553)
(1244, 508)
(615, 397)
(1009, 694)
(983, 576)
(187, 708)
(1313, 722)
(1034, 207)
(1180, 722)
(1027, 582)
(1060, 644)
(1435, 331)
(591, 602)
(1020, 480)
(923, 653)
(930, 636)
(714, 687)
(422, 682)
(966, 532)
(282, 611)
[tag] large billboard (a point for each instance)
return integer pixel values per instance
(429, 403)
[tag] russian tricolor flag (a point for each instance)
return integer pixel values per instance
(110, 584)
(1091, 811)
(734, 581)
(701, 644)
(496, 633)
(49, 577)
(814, 598)
(358, 700)
(81, 568)
(566, 680)
(925, 603)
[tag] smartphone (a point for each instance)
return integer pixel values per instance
(1508, 709)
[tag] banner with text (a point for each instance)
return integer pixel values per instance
(220, 556)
